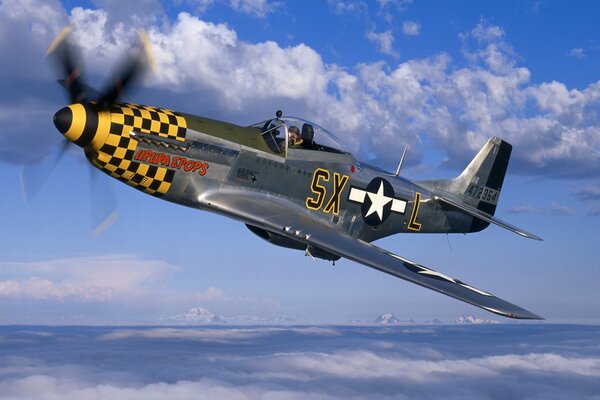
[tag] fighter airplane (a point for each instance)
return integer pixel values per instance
(289, 180)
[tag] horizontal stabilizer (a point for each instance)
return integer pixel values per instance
(455, 202)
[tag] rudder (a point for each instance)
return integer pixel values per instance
(481, 181)
(476, 191)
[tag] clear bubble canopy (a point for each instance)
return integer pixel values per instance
(279, 131)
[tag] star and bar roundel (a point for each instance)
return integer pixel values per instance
(378, 201)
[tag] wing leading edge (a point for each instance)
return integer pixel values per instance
(284, 217)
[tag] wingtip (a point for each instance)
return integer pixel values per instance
(530, 316)
(529, 235)
(535, 237)
(517, 314)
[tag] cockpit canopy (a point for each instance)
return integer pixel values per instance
(284, 133)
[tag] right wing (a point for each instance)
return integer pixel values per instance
(281, 216)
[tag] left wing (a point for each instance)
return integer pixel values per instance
(280, 215)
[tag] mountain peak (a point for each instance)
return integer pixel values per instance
(197, 315)
(387, 318)
(470, 319)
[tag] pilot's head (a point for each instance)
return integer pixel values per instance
(294, 132)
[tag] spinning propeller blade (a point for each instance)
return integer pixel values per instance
(104, 206)
(66, 59)
(129, 72)
(33, 176)
(65, 56)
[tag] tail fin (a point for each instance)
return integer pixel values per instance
(476, 190)
(481, 182)
(478, 186)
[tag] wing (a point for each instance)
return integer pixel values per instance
(280, 215)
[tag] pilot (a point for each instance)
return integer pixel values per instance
(294, 137)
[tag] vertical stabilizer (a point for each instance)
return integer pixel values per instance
(480, 183)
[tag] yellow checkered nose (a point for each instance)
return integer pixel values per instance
(78, 122)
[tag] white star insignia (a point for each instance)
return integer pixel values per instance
(378, 201)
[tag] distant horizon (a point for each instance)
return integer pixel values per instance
(283, 320)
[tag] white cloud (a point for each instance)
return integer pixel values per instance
(347, 6)
(522, 209)
(256, 8)
(590, 192)
(484, 32)
(139, 13)
(125, 287)
(99, 278)
(209, 295)
(263, 71)
(10, 288)
(398, 4)
(411, 28)
(43, 19)
(44, 387)
(594, 208)
(577, 52)
(384, 41)
(201, 5)
(259, 8)
(366, 364)
(559, 209)
(225, 335)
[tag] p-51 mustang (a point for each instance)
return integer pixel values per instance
(289, 180)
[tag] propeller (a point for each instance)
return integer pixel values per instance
(129, 72)
(33, 176)
(66, 58)
(103, 204)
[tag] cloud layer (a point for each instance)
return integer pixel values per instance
(478, 362)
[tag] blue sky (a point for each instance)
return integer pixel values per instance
(439, 76)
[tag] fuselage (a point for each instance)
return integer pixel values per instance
(180, 157)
